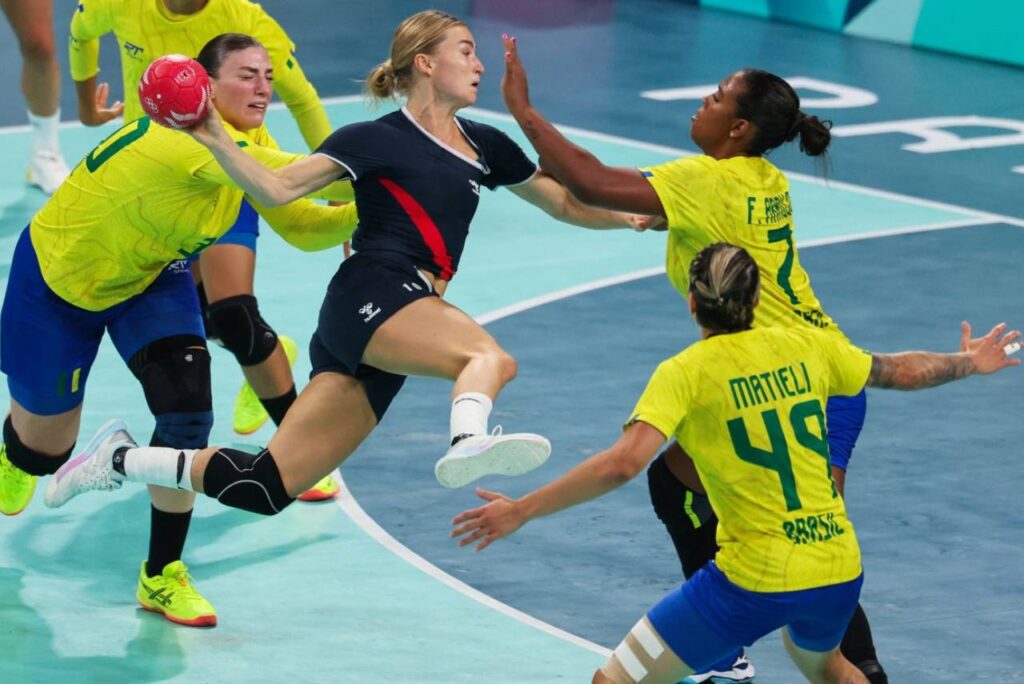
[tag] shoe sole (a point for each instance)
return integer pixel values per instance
(510, 457)
(201, 621)
(108, 428)
(314, 495)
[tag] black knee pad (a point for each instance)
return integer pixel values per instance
(237, 323)
(687, 516)
(251, 482)
(29, 460)
(175, 377)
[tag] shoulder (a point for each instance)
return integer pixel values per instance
(484, 133)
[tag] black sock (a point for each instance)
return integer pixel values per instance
(167, 532)
(278, 406)
(859, 648)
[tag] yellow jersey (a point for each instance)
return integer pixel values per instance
(749, 408)
(743, 201)
(146, 29)
(147, 196)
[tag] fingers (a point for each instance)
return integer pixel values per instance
(994, 333)
(965, 335)
(488, 495)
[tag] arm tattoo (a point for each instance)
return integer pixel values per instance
(917, 370)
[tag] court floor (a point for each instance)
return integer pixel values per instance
(901, 246)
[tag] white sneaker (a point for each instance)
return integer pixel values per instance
(495, 454)
(742, 671)
(47, 169)
(92, 469)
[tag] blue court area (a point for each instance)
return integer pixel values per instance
(901, 247)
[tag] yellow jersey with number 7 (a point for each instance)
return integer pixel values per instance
(743, 201)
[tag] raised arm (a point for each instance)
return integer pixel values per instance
(624, 189)
(592, 478)
(920, 370)
(267, 186)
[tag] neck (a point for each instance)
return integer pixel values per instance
(433, 116)
(184, 6)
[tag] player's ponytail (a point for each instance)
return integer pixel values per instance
(725, 284)
(773, 107)
(216, 51)
(419, 34)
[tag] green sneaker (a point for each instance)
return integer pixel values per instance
(172, 594)
(16, 486)
(250, 415)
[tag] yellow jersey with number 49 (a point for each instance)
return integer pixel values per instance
(147, 196)
(743, 201)
(749, 408)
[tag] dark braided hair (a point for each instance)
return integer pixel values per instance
(725, 283)
(772, 105)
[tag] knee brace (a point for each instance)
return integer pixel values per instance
(175, 378)
(687, 516)
(236, 321)
(29, 460)
(251, 482)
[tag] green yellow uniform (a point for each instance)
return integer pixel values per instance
(749, 408)
(146, 29)
(743, 201)
(147, 196)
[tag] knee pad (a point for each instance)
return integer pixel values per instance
(237, 323)
(251, 482)
(29, 460)
(175, 378)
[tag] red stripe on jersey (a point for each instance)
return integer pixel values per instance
(428, 229)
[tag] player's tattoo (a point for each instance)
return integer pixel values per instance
(917, 370)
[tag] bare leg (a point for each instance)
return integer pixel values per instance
(32, 21)
(823, 668)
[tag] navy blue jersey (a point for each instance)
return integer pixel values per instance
(417, 196)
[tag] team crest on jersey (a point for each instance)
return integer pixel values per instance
(369, 311)
(475, 186)
(132, 50)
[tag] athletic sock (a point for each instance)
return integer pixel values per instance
(278, 406)
(167, 533)
(470, 411)
(44, 131)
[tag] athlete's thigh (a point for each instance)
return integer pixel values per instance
(227, 271)
(29, 16)
(169, 307)
(644, 657)
(428, 337)
(330, 418)
(819, 666)
(46, 434)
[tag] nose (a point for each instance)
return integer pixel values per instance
(262, 85)
(479, 66)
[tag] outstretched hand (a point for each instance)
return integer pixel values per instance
(991, 352)
(101, 113)
(513, 84)
(210, 129)
(494, 520)
(642, 222)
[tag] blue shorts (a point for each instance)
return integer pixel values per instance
(709, 617)
(245, 230)
(47, 345)
(845, 418)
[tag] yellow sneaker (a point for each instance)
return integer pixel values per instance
(250, 415)
(325, 489)
(16, 486)
(172, 594)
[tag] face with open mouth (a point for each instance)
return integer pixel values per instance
(457, 69)
(243, 87)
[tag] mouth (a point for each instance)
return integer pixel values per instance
(259, 106)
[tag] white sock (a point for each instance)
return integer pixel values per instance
(158, 466)
(44, 131)
(469, 414)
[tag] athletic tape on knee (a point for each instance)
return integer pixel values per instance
(237, 322)
(251, 482)
(29, 460)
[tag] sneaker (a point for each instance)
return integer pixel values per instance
(323, 490)
(172, 594)
(47, 169)
(91, 469)
(742, 671)
(16, 486)
(250, 415)
(496, 454)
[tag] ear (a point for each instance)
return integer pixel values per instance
(424, 63)
(693, 303)
(740, 129)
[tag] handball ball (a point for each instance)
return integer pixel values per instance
(175, 91)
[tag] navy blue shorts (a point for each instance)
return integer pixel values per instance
(47, 345)
(709, 617)
(367, 290)
(845, 418)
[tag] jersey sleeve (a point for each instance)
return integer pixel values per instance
(311, 226)
(91, 20)
(358, 148)
(290, 82)
(848, 366)
(664, 402)
(684, 187)
(506, 162)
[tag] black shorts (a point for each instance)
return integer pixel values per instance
(367, 290)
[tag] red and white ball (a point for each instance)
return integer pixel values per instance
(175, 91)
